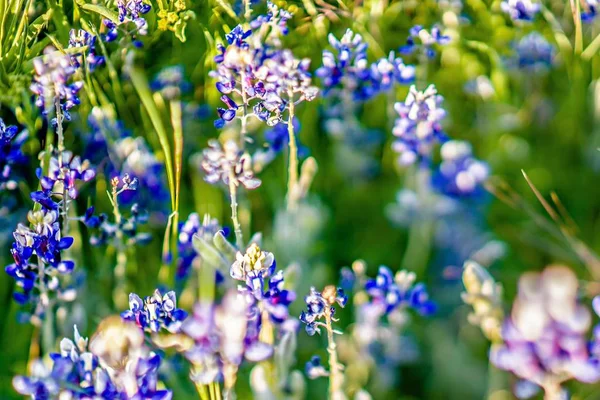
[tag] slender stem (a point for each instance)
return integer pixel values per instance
(293, 164)
(239, 238)
(177, 123)
(201, 391)
(336, 377)
(119, 297)
(230, 377)
(244, 118)
(576, 11)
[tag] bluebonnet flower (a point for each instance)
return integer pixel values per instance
(389, 292)
(171, 83)
(257, 269)
(64, 171)
(125, 361)
(460, 174)
(129, 11)
(38, 277)
(545, 335)
(534, 53)
(387, 71)
(314, 369)
(421, 39)
(276, 19)
(418, 126)
(320, 305)
(226, 163)
(520, 10)
(589, 10)
(187, 255)
(221, 339)
(82, 38)
(11, 154)
(348, 67)
(155, 312)
(52, 82)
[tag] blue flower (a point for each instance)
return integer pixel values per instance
(63, 173)
(421, 39)
(82, 38)
(418, 126)
(52, 84)
(520, 10)
(11, 154)
(314, 369)
(390, 292)
(320, 306)
(40, 276)
(589, 10)
(534, 53)
(460, 174)
(155, 312)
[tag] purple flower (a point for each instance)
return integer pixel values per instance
(314, 369)
(545, 335)
(418, 126)
(589, 10)
(155, 312)
(171, 83)
(11, 155)
(38, 277)
(460, 174)
(534, 53)
(82, 38)
(520, 10)
(421, 39)
(52, 82)
(228, 162)
(319, 305)
(389, 292)
(63, 173)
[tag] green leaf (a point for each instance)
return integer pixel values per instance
(209, 254)
(224, 246)
(100, 10)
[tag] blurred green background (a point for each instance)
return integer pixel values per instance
(546, 124)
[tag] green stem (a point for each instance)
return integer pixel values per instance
(576, 11)
(177, 123)
(292, 199)
(239, 238)
(119, 297)
(336, 377)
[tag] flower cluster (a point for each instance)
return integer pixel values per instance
(257, 269)
(270, 78)
(390, 292)
(534, 53)
(420, 39)
(11, 154)
(222, 337)
(418, 126)
(77, 373)
(349, 70)
(459, 174)
(545, 335)
(38, 261)
(155, 312)
(81, 38)
(125, 230)
(129, 11)
(276, 20)
(521, 10)
(320, 305)
(228, 164)
(52, 82)
(64, 171)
